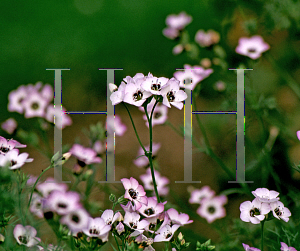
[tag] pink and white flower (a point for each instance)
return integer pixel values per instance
(97, 228)
(109, 217)
(143, 161)
(166, 233)
(254, 211)
(198, 195)
(161, 182)
(247, 248)
(206, 39)
(26, 235)
(9, 125)
(35, 105)
(77, 220)
(285, 247)
(153, 208)
(154, 84)
(50, 185)
(116, 123)
(179, 21)
(264, 195)
(252, 47)
(134, 192)
(279, 211)
(85, 155)
(7, 145)
(60, 121)
(176, 218)
(14, 159)
(132, 220)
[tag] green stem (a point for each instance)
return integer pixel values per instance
(134, 127)
(262, 235)
(117, 243)
(149, 155)
(19, 196)
(37, 180)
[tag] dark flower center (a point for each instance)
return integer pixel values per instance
(13, 162)
(81, 163)
(157, 115)
(277, 211)
(48, 215)
(23, 239)
(133, 225)
(62, 205)
(20, 100)
(4, 149)
(132, 193)
(149, 211)
(170, 96)
(94, 231)
(254, 211)
(168, 235)
(152, 226)
(35, 106)
(211, 209)
(75, 218)
(137, 96)
(251, 50)
(156, 87)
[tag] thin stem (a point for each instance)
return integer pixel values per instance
(117, 243)
(134, 127)
(37, 180)
(19, 196)
(262, 235)
(149, 155)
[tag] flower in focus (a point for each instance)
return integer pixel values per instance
(14, 159)
(154, 84)
(132, 220)
(161, 182)
(198, 195)
(77, 220)
(109, 217)
(191, 76)
(134, 192)
(279, 211)
(85, 156)
(247, 248)
(252, 47)
(129, 207)
(143, 161)
(7, 145)
(26, 235)
(97, 228)
(212, 208)
(166, 233)
(176, 218)
(118, 94)
(172, 95)
(206, 39)
(285, 247)
(254, 211)
(9, 125)
(120, 228)
(152, 208)
(264, 195)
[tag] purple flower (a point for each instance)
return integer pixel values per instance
(161, 182)
(35, 105)
(206, 39)
(284, 247)
(16, 99)
(178, 219)
(279, 211)
(152, 208)
(198, 195)
(172, 95)
(177, 49)
(154, 84)
(159, 114)
(252, 47)
(86, 156)
(134, 192)
(77, 220)
(118, 95)
(36, 206)
(132, 220)
(254, 211)
(109, 217)
(191, 76)
(26, 235)
(212, 208)
(119, 127)
(9, 125)
(166, 233)
(120, 228)
(50, 185)
(298, 135)
(170, 32)
(247, 248)
(143, 161)
(98, 228)
(14, 159)
(7, 145)
(63, 202)
(129, 207)
(179, 21)
(264, 195)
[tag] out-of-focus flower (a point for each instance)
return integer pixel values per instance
(143, 161)
(172, 95)
(285, 247)
(50, 185)
(247, 248)
(161, 182)
(159, 114)
(116, 123)
(178, 49)
(134, 192)
(36, 206)
(205, 62)
(85, 156)
(191, 76)
(198, 195)
(35, 105)
(170, 32)
(279, 211)
(179, 21)
(8, 145)
(220, 86)
(206, 39)
(252, 47)
(16, 99)
(264, 195)
(298, 135)
(9, 125)
(254, 211)
(14, 159)
(77, 220)
(213, 208)
(60, 121)
(26, 235)
(98, 228)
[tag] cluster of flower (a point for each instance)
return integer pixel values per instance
(142, 214)
(136, 90)
(9, 155)
(265, 201)
(211, 206)
(34, 101)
